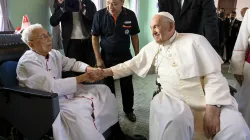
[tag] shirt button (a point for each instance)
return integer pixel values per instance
(174, 64)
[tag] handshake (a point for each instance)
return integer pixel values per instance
(94, 74)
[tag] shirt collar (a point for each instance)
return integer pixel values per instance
(41, 56)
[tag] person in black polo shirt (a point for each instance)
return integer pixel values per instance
(116, 25)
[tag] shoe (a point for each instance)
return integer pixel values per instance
(131, 116)
(135, 137)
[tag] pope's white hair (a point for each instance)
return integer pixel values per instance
(27, 33)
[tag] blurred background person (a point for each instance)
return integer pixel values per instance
(221, 17)
(231, 36)
(194, 16)
(76, 19)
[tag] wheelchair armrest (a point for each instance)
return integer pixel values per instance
(29, 92)
(31, 112)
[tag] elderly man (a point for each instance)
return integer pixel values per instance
(86, 111)
(240, 67)
(189, 79)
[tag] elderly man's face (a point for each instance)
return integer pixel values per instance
(114, 6)
(41, 41)
(161, 29)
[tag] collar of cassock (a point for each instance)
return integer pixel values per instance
(41, 56)
(170, 41)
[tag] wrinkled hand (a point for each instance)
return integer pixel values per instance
(93, 75)
(211, 121)
(100, 63)
(239, 78)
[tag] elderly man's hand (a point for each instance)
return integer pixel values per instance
(94, 75)
(211, 121)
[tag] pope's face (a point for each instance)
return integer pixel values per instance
(160, 28)
(41, 41)
(114, 6)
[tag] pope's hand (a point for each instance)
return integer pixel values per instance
(93, 75)
(211, 121)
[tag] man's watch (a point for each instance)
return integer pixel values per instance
(218, 106)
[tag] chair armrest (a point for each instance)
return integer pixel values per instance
(31, 112)
(29, 92)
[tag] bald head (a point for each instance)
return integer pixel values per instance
(243, 11)
(162, 28)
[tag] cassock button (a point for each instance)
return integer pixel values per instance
(174, 64)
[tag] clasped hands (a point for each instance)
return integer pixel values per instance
(93, 74)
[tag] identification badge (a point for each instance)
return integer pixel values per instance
(127, 32)
(127, 22)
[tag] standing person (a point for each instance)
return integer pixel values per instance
(221, 27)
(189, 79)
(231, 36)
(76, 19)
(240, 67)
(116, 25)
(194, 16)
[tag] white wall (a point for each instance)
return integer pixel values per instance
(241, 4)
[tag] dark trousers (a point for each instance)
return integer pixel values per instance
(81, 50)
(230, 47)
(126, 83)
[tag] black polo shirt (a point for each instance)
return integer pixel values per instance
(115, 34)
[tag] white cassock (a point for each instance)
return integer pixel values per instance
(78, 102)
(187, 65)
(239, 65)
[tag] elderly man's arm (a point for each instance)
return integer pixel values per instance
(217, 94)
(210, 23)
(30, 74)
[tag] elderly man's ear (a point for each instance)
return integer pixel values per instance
(31, 45)
(171, 26)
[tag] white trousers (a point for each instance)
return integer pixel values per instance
(172, 119)
(75, 120)
(243, 95)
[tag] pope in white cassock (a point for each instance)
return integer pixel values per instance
(240, 67)
(192, 88)
(86, 111)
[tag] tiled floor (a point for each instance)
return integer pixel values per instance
(143, 94)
